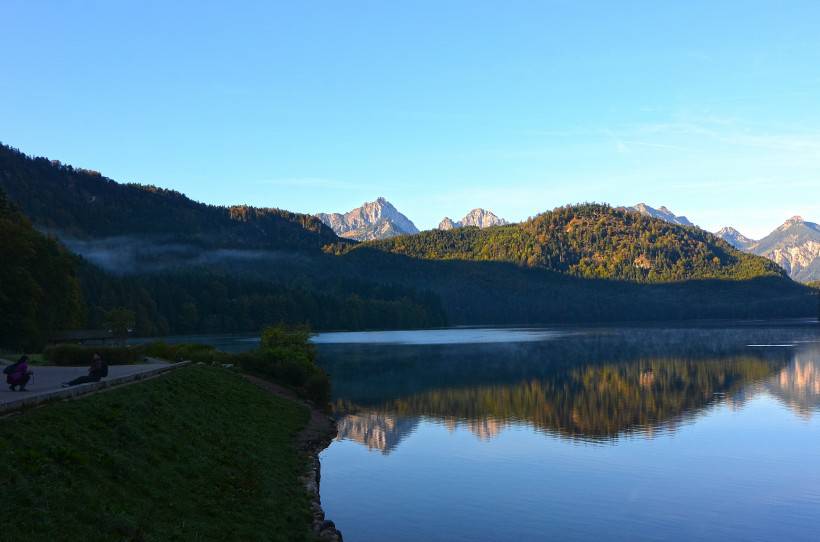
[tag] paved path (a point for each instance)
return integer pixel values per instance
(47, 379)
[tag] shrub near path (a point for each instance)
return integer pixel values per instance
(199, 454)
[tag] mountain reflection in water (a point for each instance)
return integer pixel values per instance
(798, 385)
(591, 385)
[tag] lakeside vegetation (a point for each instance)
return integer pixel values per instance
(284, 356)
(199, 454)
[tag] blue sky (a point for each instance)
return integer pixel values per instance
(710, 108)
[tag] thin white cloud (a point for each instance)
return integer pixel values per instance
(313, 182)
(660, 146)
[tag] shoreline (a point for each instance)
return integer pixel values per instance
(317, 435)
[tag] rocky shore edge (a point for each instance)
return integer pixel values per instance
(315, 437)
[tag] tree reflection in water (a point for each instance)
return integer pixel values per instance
(597, 385)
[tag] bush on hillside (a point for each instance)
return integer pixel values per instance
(286, 356)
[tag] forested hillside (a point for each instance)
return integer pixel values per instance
(591, 241)
(179, 266)
(213, 300)
(39, 289)
(176, 265)
(83, 204)
(489, 292)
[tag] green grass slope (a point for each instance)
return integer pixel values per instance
(199, 454)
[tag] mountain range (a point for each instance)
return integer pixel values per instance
(795, 245)
(379, 219)
(183, 267)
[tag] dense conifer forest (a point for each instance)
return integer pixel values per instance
(81, 203)
(39, 288)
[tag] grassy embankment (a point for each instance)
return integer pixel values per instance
(199, 454)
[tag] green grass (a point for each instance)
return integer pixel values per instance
(198, 454)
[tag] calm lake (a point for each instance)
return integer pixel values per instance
(689, 433)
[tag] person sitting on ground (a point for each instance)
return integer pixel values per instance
(97, 371)
(18, 374)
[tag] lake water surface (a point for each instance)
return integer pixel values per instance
(706, 432)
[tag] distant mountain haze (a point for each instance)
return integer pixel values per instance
(373, 220)
(480, 218)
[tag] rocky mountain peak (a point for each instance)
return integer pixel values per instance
(735, 238)
(478, 217)
(447, 224)
(661, 212)
(377, 219)
(796, 219)
(794, 246)
(727, 230)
